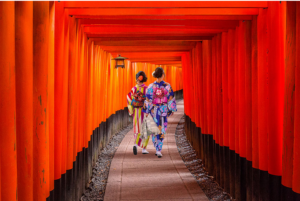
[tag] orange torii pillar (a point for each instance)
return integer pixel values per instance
(236, 111)
(40, 101)
(207, 57)
(231, 107)
(50, 113)
(8, 145)
(296, 163)
(255, 139)
(71, 108)
(225, 89)
(214, 105)
(247, 174)
(219, 94)
(58, 98)
(24, 98)
(204, 130)
(276, 96)
(262, 41)
(289, 101)
(198, 95)
(65, 178)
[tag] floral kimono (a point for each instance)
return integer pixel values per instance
(135, 101)
(160, 103)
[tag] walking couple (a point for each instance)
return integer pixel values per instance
(157, 100)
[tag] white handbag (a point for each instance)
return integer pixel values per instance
(149, 127)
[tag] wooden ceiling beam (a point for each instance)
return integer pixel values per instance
(166, 17)
(148, 38)
(118, 49)
(163, 11)
(152, 31)
(166, 4)
(159, 23)
(145, 43)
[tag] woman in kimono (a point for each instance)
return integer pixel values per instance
(135, 101)
(160, 103)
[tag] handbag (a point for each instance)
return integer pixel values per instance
(149, 127)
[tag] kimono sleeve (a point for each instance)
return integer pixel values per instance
(149, 98)
(129, 101)
(171, 100)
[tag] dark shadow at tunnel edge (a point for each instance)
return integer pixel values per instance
(235, 174)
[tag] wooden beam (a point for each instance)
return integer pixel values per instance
(164, 11)
(152, 31)
(148, 54)
(118, 49)
(192, 23)
(167, 17)
(166, 4)
(145, 43)
(157, 38)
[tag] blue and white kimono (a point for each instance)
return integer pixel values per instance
(160, 103)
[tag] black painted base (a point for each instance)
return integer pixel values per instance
(234, 173)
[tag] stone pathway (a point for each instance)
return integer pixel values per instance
(146, 177)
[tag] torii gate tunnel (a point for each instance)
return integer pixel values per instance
(61, 98)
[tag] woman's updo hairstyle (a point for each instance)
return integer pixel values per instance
(158, 73)
(141, 76)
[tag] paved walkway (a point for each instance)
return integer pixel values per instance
(146, 177)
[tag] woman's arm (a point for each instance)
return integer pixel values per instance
(149, 98)
(129, 101)
(172, 107)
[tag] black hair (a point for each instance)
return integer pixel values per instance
(141, 73)
(158, 73)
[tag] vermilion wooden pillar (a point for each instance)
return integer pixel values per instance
(64, 107)
(225, 89)
(236, 91)
(231, 107)
(24, 98)
(248, 109)
(197, 91)
(289, 95)
(58, 90)
(76, 102)
(219, 95)
(71, 90)
(276, 88)
(204, 57)
(241, 74)
(296, 164)
(214, 70)
(237, 113)
(263, 106)
(231, 88)
(51, 94)
(255, 140)
(254, 63)
(200, 86)
(8, 130)
(40, 101)
(262, 41)
(208, 44)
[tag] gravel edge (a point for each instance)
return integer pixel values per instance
(207, 183)
(96, 187)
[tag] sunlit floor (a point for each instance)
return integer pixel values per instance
(147, 177)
